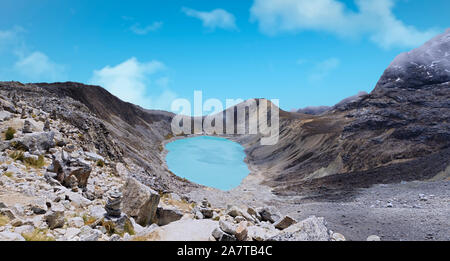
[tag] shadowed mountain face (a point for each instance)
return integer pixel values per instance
(400, 131)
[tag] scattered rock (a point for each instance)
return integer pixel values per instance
(11, 236)
(55, 217)
(93, 156)
(140, 202)
(269, 213)
(167, 215)
(235, 211)
(115, 237)
(113, 202)
(70, 172)
(39, 206)
(118, 225)
(89, 234)
(241, 231)
(24, 229)
(284, 222)
(227, 226)
(373, 238)
(219, 235)
(71, 233)
(310, 229)
(337, 237)
(76, 222)
(97, 211)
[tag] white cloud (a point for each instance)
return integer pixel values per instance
(10, 37)
(37, 66)
(373, 18)
(323, 68)
(217, 18)
(138, 29)
(130, 81)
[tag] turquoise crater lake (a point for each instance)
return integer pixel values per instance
(210, 161)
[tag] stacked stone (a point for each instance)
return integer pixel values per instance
(47, 125)
(113, 202)
(23, 114)
(205, 203)
(27, 127)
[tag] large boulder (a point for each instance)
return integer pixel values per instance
(310, 229)
(55, 217)
(269, 213)
(235, 212)
(284, 222)
(166, 215)
(41, 141)
(139, 202)
(70, 172)
(11, 236)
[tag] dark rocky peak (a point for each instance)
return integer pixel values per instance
(423, 66)
(103, 103)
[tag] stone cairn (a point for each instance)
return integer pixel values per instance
(23, 114)
(113, 202)
(205, 203)
(47, 125)
(27, 127)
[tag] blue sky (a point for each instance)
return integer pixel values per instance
(304, 53)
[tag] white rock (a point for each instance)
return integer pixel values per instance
(97, 211)
(373, 238)
(71, 232)
(24, 229)
(76, 222)
(337, 237)
(10, 236)
(89, 234)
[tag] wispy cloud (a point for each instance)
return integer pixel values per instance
(37, 66)
(374, 18)
(30, 65)
(131, 81)
(323, 68)
(217, 18)
(143, 30)
(10, 37)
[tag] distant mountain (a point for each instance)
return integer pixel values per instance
(317, 110)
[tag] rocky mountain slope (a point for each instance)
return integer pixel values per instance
(398, 132)
(68, 172)
(76, 148)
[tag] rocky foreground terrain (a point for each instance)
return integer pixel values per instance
(77, 163)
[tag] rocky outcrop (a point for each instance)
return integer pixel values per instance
(55, 218)
(284, 222)
(311, 229)
(166, 215)
(140, 202)
(70, 172)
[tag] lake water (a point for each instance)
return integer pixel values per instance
(210, 161)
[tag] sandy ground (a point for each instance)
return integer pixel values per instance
(187, 230)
